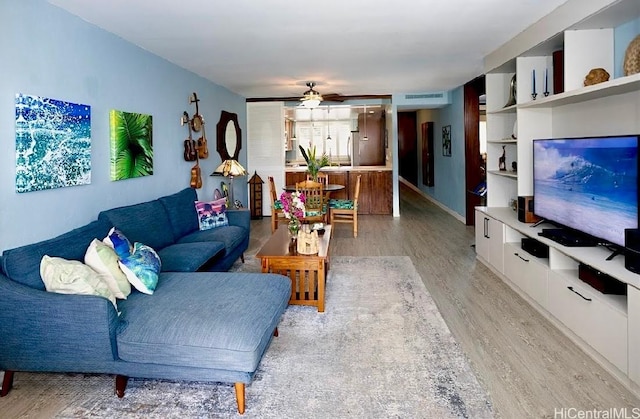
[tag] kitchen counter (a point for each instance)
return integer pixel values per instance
(303, 168)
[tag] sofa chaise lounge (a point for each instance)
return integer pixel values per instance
(197, 325)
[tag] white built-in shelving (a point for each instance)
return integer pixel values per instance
(590, 34)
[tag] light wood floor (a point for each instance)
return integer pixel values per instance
(526, 364)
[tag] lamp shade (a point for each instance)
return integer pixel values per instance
(229, 167)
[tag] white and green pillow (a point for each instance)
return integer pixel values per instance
(73, 277)
(104, 260)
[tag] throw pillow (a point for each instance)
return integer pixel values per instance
(118, 242)
(104, 260)
(73, 277)
(141, 268)
(212, 214)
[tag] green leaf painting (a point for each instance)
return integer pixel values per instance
(131, 145)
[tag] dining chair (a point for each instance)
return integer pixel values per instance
(315, 205)
(276, 206)
(324, 179)
(346, 210)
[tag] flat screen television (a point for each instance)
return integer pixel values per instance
(588, 185)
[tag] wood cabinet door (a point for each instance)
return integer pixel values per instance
(381, 192)
(339, 178)
(294, 177)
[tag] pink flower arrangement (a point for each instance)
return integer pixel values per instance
(293, 204)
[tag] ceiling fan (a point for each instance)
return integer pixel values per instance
(312, 98)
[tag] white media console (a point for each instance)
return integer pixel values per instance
(606, 326)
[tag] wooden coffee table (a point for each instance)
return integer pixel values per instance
(307, 272)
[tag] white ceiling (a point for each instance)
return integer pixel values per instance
(271, 48)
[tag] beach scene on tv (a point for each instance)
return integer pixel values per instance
(588, 184)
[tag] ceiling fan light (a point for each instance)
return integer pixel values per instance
(311, 98)
(310, 103)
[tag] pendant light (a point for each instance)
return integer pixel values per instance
(365, 138)
(328, 124)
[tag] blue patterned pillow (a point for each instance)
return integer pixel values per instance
(212, 214)
(141, 268)
(118, 242)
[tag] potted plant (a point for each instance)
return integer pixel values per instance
(313, 163)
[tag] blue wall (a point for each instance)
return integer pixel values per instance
(623, 35)
(449, 172)
(48, 52)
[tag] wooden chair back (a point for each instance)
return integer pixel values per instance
(348, 215)
(314, 199)
(276, 213)
(272, 191)
(357, 194)
(322, 178)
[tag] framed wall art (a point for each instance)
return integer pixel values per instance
(446, 140)
(131, 145)
(53, 143)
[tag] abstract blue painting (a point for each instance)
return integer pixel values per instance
(53, 143)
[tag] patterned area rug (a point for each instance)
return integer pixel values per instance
(380, 350)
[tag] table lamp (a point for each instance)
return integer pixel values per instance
(230, 168)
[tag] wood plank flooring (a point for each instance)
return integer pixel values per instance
(527, 365)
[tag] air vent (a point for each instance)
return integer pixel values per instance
(425, 96)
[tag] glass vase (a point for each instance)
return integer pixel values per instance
(294, 227)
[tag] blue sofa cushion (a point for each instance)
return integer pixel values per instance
(22, 264)
(188, 257)
(231, 236)
(147, 223)
(181, 211)
(204, 320)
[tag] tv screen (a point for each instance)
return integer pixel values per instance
(588, 184)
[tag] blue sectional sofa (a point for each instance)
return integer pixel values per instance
(197, 324)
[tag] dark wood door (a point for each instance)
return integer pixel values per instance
(408, 146)
(474, 165)
(427, 154)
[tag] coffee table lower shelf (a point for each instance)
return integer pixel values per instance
(307, 272)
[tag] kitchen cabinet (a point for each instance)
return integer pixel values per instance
(376, 191)
(376, 187)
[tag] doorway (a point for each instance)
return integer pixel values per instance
(408, 146)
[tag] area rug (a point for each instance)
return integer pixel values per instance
(381, 350)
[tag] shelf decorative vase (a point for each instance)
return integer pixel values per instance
(512, 92)
(632, 57)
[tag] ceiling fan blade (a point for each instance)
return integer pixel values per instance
(333, 97)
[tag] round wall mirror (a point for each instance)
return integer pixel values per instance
(229, 136)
